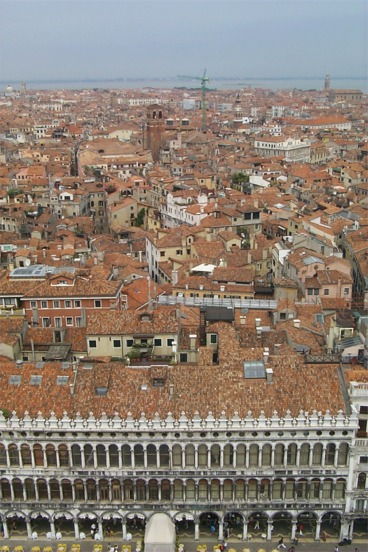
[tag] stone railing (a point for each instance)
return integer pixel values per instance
(314, 420)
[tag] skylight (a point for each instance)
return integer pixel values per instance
(254, 369)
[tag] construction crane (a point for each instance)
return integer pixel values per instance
(203, 80)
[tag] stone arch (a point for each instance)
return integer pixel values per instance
(64, 522)
(282, 523)
(184, 523)
(208, 522)
(40, 521)
(306, 523)
(331, 523)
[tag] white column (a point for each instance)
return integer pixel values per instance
(293, 529)
(29, 528)
(124, 527)
(269, 529)
(245, 530)
(196, 530)
(318, 530)
(76, 529)
(5, 528)
(221, 530)
(100, 528)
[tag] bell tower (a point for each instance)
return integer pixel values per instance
(155, 130)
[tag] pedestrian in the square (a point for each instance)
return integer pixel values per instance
(281, 543)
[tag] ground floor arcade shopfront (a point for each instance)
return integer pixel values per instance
(194, 523)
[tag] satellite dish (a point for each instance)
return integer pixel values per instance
(27, 262)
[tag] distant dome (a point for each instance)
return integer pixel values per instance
(9, 88)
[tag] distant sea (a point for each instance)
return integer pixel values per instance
(225, 83)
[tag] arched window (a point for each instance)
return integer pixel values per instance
(327, 489)
(30, 489)
(42, 489)
(189, 456)
(178, 489)
(104, 490)
(91, 489)
(101, 456)
(26, 455)
(153, 489)
(240, 456)
(5, 489)
(202, 456)
(304, 454)
(79, 489)
(38, 455)
(301, 489)
(63, 456)
(126, 458)
(266, 455)
(50, 456)
(253, 456)
(141, 490)
(151, 456)
(76, 455)
(279, 455)
(252, 489)
(128, 490)
(317, 454)
(315, 489)
(116, 490)
(54, 489)
(17, 489)
(228, 490)
(114, 456)
(265, 489)
(66, 489)
(240, 489)
(215, 489)
(228, 456)
(190, 490)
(290, 489)
(176, 456)
(277, 489)
(2, 455)
(13, 455)
(89, 460)
(164, 456)
(362, 478)
(291, 454)
(165, 489)
(138, 455)
(330, 454)
(202, 489)
(340, 489)
(342, 457)
(215, 456)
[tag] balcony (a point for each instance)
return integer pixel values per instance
(11, 311)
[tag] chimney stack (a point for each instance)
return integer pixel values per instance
(269, 375)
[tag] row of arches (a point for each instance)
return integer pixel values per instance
(176, 456)
(305, 522)
(165, 490)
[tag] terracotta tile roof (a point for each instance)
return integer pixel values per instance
(82, 287)
(199, 388)
(162, 320)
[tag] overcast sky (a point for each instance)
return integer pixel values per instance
(102, 39)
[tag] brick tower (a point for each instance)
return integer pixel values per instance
(155, 130)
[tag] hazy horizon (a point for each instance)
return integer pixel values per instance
(75, 40)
